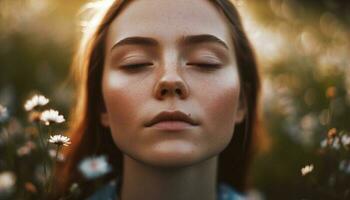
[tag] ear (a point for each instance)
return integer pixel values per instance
(241, 110)
(104, 119)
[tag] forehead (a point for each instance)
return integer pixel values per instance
(168, 20)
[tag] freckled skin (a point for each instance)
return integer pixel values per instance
(133, 98)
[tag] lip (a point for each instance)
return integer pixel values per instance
(172, 120)
(172, 125)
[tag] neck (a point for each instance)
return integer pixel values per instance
(196, 182)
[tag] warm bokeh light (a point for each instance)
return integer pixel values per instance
(303, 48)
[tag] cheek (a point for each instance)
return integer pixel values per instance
(220, 107)
(121, 96)
(219, 104)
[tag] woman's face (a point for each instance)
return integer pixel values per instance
(175, 43)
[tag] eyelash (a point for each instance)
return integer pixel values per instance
(139, 65)
(205, 65)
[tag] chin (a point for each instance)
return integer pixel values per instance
(170, 163)
(168, 156)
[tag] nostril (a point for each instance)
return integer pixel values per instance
(163, 91)
(178, 91)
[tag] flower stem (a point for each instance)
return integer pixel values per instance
(53, 168)
(9, 150)
(41, 139)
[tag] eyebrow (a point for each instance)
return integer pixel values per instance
(189, 39)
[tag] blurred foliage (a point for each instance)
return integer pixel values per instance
(302, 47)
(36, 46)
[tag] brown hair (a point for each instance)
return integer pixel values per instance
(89, 137)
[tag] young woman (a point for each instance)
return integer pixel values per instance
(169, 91)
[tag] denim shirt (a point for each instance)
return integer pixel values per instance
(109, 192)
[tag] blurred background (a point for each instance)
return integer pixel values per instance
(303, 48)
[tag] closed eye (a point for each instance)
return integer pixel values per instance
(137, 65)
(207, 65)
(140, 65)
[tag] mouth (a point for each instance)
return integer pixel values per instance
(172, 125)
(171, 120)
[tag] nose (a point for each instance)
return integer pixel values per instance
(171, 84)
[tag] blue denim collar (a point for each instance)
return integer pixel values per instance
(109, 192)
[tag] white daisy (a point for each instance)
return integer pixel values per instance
(36, 100)
(93, 167)
(307, 169)
(49, 116)
(59, 140)
(4, 115)
(345, 139)
(323, 143)
(7, 181)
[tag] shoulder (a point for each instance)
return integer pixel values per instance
(227, 192)
(107, 192)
